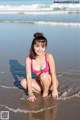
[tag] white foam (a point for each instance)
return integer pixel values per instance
(38, 13)
(73, 24)
(26, 111)
(26, 7)
(77, 94)
(42, 7)
(24, 97)
(31, 13)
(65, 97)
(1, 73)
(8, 87)
(58, 23)
(64, 94)
(59, 75)
(66, 6)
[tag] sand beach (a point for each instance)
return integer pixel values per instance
(60, 23)
(64, 44)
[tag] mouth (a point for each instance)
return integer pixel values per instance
(39, 51)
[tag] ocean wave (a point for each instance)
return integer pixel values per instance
(36, 12)
(66, 24)
(38, 110)
(65, 96)
(26, 111)
(4, 72)
(58, 23)
(69, 74)
(42, 7)
(69, 87)
(39, 12)
(8, 87)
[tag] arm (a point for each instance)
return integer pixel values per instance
(28, 78)
(53, 75)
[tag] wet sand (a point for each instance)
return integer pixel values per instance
(42, 109)
(14, 99)
(69, 110)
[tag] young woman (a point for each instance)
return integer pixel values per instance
(40, 63)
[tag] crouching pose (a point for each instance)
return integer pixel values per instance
(42, 65)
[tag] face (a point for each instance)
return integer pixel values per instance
(39, 48)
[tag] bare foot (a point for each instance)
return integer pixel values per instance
(45, 94)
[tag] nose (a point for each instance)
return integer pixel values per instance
(39, 48)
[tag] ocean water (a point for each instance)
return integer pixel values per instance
(23, 2)
(40, 12)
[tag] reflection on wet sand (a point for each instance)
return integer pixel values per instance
(42, 109)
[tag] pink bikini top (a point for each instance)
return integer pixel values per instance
(46, 69)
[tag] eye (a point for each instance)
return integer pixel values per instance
(37, 45)
(43, 46)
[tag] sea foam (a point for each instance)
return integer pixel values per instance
(26, 111)
(66, 24)
(8, 87)
(42, 7)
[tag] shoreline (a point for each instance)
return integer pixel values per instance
(44, 23)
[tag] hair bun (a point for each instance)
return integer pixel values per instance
(36, 35)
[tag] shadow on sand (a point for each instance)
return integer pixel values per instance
(17, 71)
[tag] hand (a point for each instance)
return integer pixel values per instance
(31, 98)
(55, 93)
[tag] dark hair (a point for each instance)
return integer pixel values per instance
(38, 37)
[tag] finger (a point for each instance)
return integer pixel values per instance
(54, 96)
(32, 100)
(27, 98)
(35, 98)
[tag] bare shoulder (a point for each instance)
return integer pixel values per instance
(51, 60)
(28, 59)
(50, 56)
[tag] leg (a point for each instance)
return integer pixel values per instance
(56, 85)
(35, 85)
(45, 80)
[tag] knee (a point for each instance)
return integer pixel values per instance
(23, 82)
(42, 76)
(45, 77)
